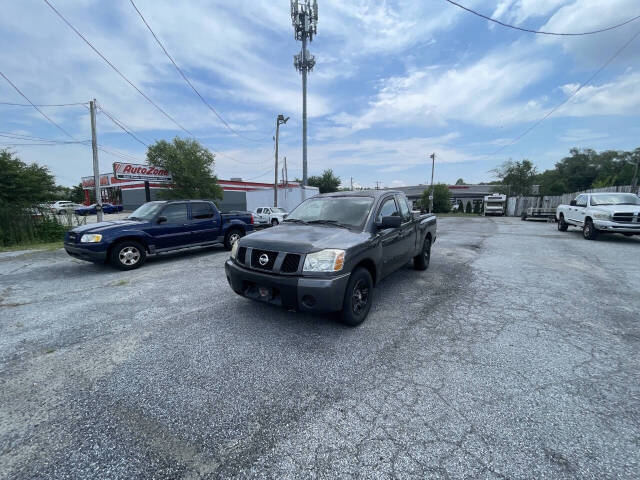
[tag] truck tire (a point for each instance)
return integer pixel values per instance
(274, 222)
(589, 231)
(62, 212)
(421, 262)
(127, 255)
(357, 298)
(232, 236)
(562, 225)
(523, 217)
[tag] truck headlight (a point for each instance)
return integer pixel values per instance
(601, 215)
(91, 238)
(329, 260)
(234, 250)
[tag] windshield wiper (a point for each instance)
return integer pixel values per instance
(134, 218)
(330, 222)
(294, 220)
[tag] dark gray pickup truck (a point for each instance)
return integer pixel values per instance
(331, 251)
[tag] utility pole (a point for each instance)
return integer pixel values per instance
(431, 196)
(96, 167)
(280, 120)
(352, 184)
(377, 184)
(634, 182)
(304, 18)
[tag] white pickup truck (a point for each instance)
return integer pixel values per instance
(601, 213)
(272, 215)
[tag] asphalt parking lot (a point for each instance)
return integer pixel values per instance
(514, 356)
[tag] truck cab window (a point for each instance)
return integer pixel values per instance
(259, 211)
(388, 209)
(404, 209)
(201, 210)
(175, 213)
(581, 201)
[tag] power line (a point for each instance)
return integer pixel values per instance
(613, 27)
(122, 126)
(15, 136)
(132, 84)
(225, 123)
(43, 104)
(573, 94)
(35, 106)
(118, 71)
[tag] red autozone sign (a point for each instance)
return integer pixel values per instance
(131, 171)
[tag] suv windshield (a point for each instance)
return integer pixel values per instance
(278, 210)
(615, 199)
(146, 211)
(350, 211)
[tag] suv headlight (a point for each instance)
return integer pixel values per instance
(602, 215)
(234, 250)
(91, 238)
(329, 260)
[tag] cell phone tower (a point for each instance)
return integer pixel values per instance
(304, 17)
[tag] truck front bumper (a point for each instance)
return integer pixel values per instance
(616, 227)
(300, 293)
(90, 252)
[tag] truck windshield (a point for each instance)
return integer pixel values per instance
(350, 211)
(278, 210)
(615, 199)
(146, 211)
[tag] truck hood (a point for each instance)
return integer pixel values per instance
(104, 226)
(617, 208)
(296, 238)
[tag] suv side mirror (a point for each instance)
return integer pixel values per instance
(572, 203)
(390, 222)
(162, 219)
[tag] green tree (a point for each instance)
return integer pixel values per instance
(460, 181)
(191, 167)
(468, 208)
(441, 198)
(77, 193)
(518, 176)
(460, 206)
(327, 182)
(476, 207)
(22, 184)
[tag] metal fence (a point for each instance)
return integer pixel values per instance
(515, 205)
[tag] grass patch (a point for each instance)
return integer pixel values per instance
(121, 283)
(48, 246)
(50, 350)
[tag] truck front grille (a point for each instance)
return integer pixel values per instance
(625, 217)
(256, 255)
(242, 253)
(290, 263)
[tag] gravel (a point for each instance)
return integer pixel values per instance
(514, 356)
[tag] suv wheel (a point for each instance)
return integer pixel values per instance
(357, 297)
(232, 237)
(589, 231)
(127, 255)
(562, 225)
(274, 222)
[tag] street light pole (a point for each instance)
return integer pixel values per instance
(279, 121)
(96, 166)
(431, 195)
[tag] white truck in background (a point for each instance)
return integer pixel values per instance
(495, 204)
(270, 215)
(596, 213)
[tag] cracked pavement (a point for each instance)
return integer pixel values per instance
(514, 356)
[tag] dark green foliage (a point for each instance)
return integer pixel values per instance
(22, 184)
(468, 208)
(518, 176)
(327, 182)
(476, 207)
(441, 198)
(22, 188)
(460, 181)
(191, 166)
(460, 206)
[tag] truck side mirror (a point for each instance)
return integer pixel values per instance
(572, 203)
(390, 222)
(162, 219)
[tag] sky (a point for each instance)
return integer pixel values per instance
(394, 81)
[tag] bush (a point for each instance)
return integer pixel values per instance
(18, 226)
(476, 207)
(468, 208)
